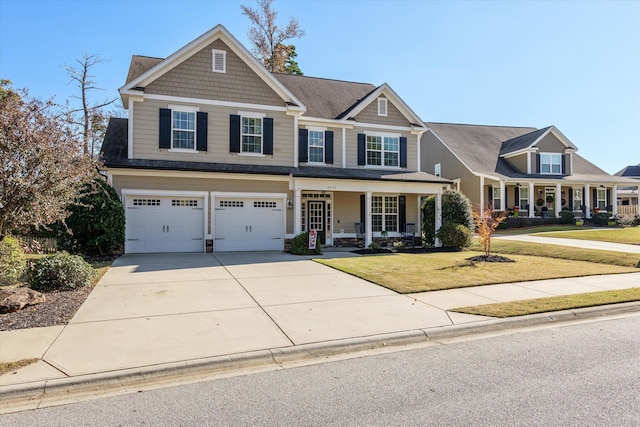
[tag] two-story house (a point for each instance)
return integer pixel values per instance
(219, 154)
(534, 171)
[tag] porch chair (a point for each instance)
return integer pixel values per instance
(409, 233)
(359, 233)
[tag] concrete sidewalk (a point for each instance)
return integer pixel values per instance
(576, 243)
(153, 311)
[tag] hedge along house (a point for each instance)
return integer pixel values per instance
(219, 154)
(536, 172)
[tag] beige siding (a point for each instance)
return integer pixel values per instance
(346, 211)
(194, 78)
(550, 144)
(352, 147)
(370, 115)
(145, 137)
(432, 151)
(519, 162)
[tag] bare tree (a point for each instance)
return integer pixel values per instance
(90, 118)
(268, 38)
(42, 165)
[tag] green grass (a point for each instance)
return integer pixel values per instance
(629, 235)
(537, 229)
(408, 273)
(544, 305)
(562, 252)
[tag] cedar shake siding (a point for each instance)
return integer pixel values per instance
(146, 136)
(194, 78)
(393, 118)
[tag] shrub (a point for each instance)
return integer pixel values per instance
(600, 218)
(456, 209)
(454, 235)
(12, 261)
(60, 272)
(96, 223)
(566, 217)
(300, 245)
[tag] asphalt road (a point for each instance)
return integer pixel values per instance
(575, 375)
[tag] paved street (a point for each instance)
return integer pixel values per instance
(575, 375)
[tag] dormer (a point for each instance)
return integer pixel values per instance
(542, 152)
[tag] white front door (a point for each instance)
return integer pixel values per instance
(164, 224)
(248, 224)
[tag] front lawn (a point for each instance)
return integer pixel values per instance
(408, 273)
(629, 235)
(537, 229)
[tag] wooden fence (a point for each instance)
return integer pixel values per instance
(627, 210)
(46, 245)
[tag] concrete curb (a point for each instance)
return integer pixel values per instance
(24, 396)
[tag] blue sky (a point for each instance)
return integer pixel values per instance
(573, 64)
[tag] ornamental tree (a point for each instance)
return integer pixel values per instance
(42, 165)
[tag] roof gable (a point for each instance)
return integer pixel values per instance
(530, 140)
(385, 91)
(631, 171)
(219, 32)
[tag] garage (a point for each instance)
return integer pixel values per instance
(248, 224)
(164, 224)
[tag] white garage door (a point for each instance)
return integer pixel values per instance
(253, 224)
(164, 224)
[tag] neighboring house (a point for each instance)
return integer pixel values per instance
(219, 154)
(628, 195)
(534, 170)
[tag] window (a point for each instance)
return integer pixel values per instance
(316, 146)
(497, 199)
(183, 130)
(436, 171)
(551, 163)
(601, 198)
(219, 61)
(382, 107)
(577, 199)
(523, 194)
(383, 150)
(251, 135)
(384, 213)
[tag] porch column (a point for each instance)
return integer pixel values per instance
(438, 243)
(558, 199)
(503, 204)
(367, 220)
(614, 200)
(587, 201)
(297, 220)
(482, 207)
(532, 203)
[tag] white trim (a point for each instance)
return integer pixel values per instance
(384, 127)
(528, 162)
(198, 174)
(551, 163)
(329, 122)
(185, 108)
(249, 195)
(186, 100)
(527, 150)
(382, 135)
(130, 130)
(383, 106)
(324, 145)
(242, 154)
(252, 114)
(183, 150)
(213, 60)
(296, 139)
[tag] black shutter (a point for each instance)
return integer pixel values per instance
(363, 208)
(537, 163)
(564, 164)
(516, 195)
(267, 136)
(201, 137)
(570, 199)
(403, 152)
(594, 198)
(303, 145)
(506, 191)
(491, 194)
(608, 206)
(402, 211)
(328, 147)
(234, 133)
(362, 149)
(165, 128)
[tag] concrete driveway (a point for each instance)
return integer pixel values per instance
(162, 308)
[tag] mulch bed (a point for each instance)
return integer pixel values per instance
(489, 258)
(372, 251)
(58, 309)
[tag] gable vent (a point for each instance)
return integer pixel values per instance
(219, 61)
(382, 106)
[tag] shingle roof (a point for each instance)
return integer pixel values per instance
(521, 142)
(630, 171)
(479, 148)
(139, 64)
(325, 98)
(114, 155)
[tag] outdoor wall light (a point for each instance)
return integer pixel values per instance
(289, 204)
